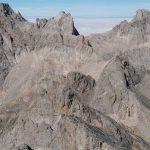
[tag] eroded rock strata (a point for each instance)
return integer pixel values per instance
(63, 91)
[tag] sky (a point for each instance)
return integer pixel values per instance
(90, 16)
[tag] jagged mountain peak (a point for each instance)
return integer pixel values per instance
(64, 92)
(66, 23)
(6, 9)
(19, 16)
(141, 14)
(122, 25)
(62, 23)
(62, 13)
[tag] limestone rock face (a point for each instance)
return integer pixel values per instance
(63, 91)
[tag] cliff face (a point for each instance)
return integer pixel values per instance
(63, 91)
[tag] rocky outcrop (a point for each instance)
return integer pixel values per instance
(141, 14)
(63, 91)
(80, 82)
(24, 147)
(18, 37)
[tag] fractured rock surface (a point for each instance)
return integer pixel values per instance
(63, 91)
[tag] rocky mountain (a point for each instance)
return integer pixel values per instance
(63, 91)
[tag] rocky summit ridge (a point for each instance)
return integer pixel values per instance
(60, 90)
(141, 14)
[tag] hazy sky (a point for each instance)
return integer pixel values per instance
(90, 15)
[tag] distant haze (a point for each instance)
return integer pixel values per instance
(90, 16)
(87, 26)
(99, 25)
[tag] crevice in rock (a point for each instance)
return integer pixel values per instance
(24, 147)
(132, 76)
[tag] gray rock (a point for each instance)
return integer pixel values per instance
(141, 14)
(63, 91)
(24, 147)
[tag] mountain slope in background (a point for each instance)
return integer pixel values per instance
(63, 91)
